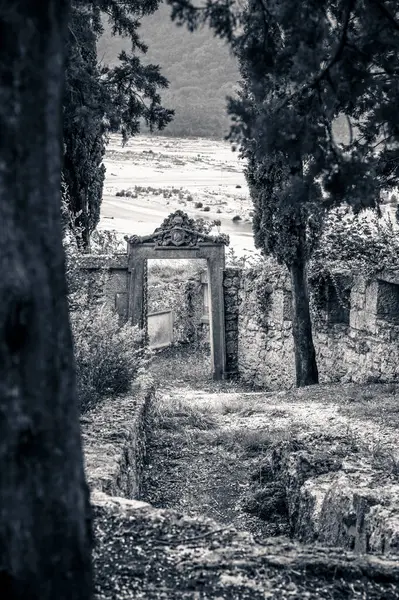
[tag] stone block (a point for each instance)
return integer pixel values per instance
(231, 326)
(231, 335)
(371, 298)
(231, 347)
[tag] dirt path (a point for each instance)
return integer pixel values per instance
(206, 446)
(193, 469)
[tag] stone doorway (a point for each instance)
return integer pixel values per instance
(178, 237)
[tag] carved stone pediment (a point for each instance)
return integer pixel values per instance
(178, 231)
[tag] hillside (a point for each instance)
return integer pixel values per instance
(198, 66)
(200, 70)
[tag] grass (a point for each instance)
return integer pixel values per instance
(172, 270)
(375, 402)
(251, 442)
(180, 415)
(181, 366)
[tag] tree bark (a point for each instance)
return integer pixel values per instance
(45, 531)
(305, 355)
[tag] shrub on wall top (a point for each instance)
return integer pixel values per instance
(108, 356)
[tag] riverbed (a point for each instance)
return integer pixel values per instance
(204, 178)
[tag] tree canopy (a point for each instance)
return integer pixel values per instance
(200, 69)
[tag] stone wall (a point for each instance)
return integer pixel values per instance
(231, 284)
(360, 344)
(114, 441)
(105, 279)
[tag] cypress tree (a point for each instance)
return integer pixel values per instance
(304, 65)
(99, 100)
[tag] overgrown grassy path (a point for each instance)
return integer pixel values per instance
(199, 465)
(207, 447)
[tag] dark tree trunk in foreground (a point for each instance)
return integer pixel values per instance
(305, 356)
(45, 536)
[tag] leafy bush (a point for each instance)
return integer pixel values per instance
(107, 241)
(108, 356)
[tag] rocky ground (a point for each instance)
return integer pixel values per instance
(220, 462)
(146, 553)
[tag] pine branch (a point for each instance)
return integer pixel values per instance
(341, 44)
(334, 59)
(385, 10)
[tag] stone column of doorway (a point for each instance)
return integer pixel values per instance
(216, 304)
(137, 286)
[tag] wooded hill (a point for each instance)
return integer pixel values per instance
(200, 69)
(198, 66)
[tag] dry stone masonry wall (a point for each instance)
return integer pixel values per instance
(231, 285)
(359, 344)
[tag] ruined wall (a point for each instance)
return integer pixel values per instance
(104, 279)
(265, 345)
(231, 285)
(357, 344)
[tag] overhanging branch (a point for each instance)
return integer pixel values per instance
(385, 10)
(334, 59)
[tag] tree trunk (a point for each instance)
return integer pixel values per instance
(305, 356)
(45, 533)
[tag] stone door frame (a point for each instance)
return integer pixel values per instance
(177, 238)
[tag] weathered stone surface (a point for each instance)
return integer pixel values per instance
(352, 504)
(113, 436)
(149, 553)
(366, 350)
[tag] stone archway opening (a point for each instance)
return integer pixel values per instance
(175, 304)
(178, 238)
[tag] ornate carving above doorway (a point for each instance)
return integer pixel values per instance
(178, 229)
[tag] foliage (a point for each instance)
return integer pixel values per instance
(107, 241)
(351, 245)
(252, 260)
(165, 270)
(362, 244)
(108, 356)
(99, 99)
